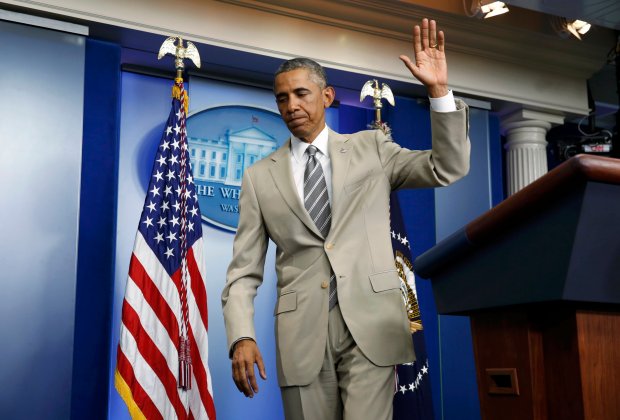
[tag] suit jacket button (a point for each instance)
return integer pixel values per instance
(324, 284)
(329, 245)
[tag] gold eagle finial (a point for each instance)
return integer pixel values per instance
(180, 53)
(377, 94)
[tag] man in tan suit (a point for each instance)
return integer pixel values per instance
(323, 199)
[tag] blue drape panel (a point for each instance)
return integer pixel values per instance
(95, 269)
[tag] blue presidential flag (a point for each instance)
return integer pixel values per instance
(412, 392)
(412, 387)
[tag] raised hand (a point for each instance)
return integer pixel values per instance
(430, 66)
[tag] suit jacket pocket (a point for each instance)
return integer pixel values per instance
(286, 302)
(383, 281)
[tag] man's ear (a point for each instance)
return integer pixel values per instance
(329, 94)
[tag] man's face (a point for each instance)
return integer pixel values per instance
(302, 103)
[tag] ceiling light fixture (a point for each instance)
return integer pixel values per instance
(565, 28)
(493, 9)
(578, 28)
(484, 8)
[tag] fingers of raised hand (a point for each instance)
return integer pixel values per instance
(417, 39)
(425, 33)
(441, 41)
(426, 37)
(407, 62)
(432, 34)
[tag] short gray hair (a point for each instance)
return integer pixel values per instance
(317, 72)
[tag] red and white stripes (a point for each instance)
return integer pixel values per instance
(147, 357)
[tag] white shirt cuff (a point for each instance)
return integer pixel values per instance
(443, 104)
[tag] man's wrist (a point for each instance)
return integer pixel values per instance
(234, 344)
(437, 91)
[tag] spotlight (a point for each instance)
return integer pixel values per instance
(493, 9)
(578, 28)
(565, 28)
(486, 8)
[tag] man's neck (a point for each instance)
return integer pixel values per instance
(313, 136)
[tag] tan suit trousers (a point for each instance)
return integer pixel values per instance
(348, 387)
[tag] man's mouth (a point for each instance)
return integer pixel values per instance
(295, 122)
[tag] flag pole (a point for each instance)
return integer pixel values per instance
(178, 92)
(161, 367)
(178, 62)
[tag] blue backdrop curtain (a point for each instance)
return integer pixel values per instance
(96, 244)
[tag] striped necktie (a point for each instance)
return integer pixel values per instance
(316, 201)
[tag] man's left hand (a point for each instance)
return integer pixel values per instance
(430, 66)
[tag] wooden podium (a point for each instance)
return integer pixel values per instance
(539, 276)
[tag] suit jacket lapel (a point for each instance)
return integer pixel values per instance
(340, 156)
(283, 178)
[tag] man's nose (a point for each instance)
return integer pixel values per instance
(292, 105)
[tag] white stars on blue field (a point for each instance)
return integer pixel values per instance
(161, 219)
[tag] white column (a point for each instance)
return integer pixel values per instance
(526, 153)
(526, 146)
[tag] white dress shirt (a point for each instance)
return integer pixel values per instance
(299, 158)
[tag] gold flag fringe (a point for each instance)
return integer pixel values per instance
(125, 392)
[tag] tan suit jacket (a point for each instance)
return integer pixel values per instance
(366, 167)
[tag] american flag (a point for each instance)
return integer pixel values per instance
(161, 368)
